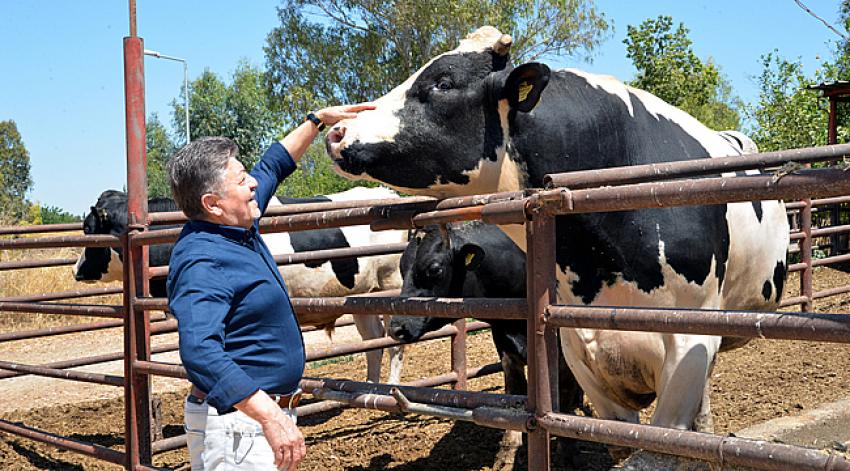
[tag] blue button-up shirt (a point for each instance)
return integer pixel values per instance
(238, 331)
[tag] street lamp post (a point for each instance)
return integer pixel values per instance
(159, 55)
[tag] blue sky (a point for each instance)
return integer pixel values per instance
(62, 80)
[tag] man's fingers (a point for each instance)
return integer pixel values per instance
(278, 458)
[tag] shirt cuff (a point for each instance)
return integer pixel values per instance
(231, 389)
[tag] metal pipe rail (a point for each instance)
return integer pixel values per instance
(770, 325)
(92, 310)
(35, 229)
(72, 294)
(712, 448)
(795, 205)
(456, 308)
(77, 362)
(23, 264)
(83, 448)
(96, 378)
(61, 242)
(692, 168)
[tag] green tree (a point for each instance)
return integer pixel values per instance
(15, 178)
(159, 149)
(315, 176)
(240, 110)
(787, 115)
(332, 51)
(56, 215)
(668, 67)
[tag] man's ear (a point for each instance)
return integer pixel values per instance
(472, 256)
(524, 86)
(210, 204)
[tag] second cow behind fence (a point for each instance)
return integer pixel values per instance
(476, 260)
(343, 277)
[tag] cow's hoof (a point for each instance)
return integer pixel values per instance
(704, 423)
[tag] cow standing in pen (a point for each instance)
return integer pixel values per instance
(468, 122)
(342, 277)
(473, 260)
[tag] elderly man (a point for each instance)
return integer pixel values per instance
(239, 339)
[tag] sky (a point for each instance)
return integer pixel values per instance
(62, 82)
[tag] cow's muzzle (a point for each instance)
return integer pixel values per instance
(333, 142)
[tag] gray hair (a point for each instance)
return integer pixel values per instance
(199, 168)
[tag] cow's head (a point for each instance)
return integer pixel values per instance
(444, 131)
(108, 216)
(434, 264)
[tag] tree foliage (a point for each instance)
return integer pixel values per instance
(241, 110)
(335, 51)
(668, 67)
(15, 179)
(55, 215)
(315, 176)
(787, 115)
(160, 148)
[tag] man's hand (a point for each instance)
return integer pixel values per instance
(284, 438)
(334, 114)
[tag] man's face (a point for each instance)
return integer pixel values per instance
(236, 200)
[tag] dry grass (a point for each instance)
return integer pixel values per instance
(44, 280)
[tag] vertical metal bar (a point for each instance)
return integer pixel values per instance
(806, 255)
(136, 338)
(459, 354)
(540, 236)
(832, 137)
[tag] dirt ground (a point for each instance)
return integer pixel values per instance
(764, 380)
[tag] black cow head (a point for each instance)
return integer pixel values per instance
(459, 105)
(107, 216)
(434, 265)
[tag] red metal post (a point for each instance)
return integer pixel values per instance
(806, 255)
(459, 354)
(540, 234)
(136, 327)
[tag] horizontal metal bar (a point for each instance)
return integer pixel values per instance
(796, 301)
(77, 362)
(692, 168)
(61, 241)
(93, 310)
(818, 202)
(831, 292)
(65, 443)
(772, 325)
(38, 228)
(801, 184)
(96, 378)
(321, 353)
(712, 448)
(819, 262)
(77, 293)
(23, 264)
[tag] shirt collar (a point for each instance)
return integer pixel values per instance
(238, 234)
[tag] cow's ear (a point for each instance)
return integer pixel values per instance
(472, 255)
(525, 84)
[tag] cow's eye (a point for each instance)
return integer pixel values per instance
(444, 83)
(435, 271)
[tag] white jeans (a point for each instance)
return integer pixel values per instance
(226, 442)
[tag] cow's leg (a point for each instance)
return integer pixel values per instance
(684, 379)
(369, 328)
(513, 368)
(704, 422)
(396, 355)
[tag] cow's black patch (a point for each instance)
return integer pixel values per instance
(320, 239)
(757, 209)
(779, 274)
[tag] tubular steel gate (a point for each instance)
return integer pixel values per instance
(578, 192)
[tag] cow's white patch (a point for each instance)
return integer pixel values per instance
(608, 84)
(115, 270)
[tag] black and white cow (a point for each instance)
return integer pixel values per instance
(476, 260)
(469, 123)
(334, 278)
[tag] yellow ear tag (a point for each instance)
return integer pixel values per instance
(524, 90)
(469, 258)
